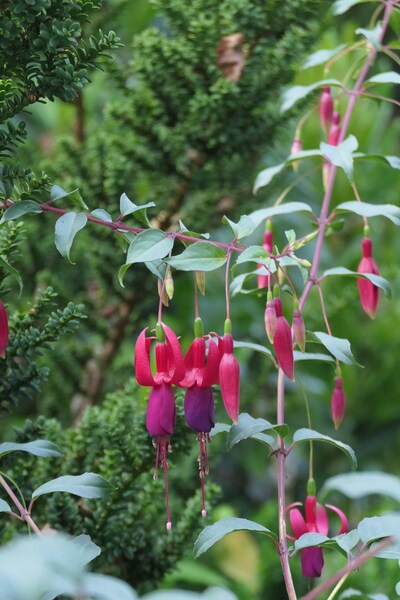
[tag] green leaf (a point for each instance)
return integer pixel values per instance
(305, 435)
(87, 549)
(201, 256)
(377, 280)
(342, 155)
(321, 56)
(67, 227)
(88, 485)
(20, 208)
(243, 228)
(393, 161)
(352, 593)
(372, 35)
(390, 211)
(101, 214)
(310, 539)
(37, 448)
(387, 77)
(251, 346)
(256, 254)
(213, 533)
(105, 587)
(185, 231)
(258, 216)
(297, 92)
(339, 347)
(4, 507)
(149, 245)
(13, 272)
(290, 236)
(299, 356)
(375, 528)
(57, 193)
(347, 541)
(266, 175)
(365, 483)
(219, 428)
(342, 6)
(127, 207)
(247, 426)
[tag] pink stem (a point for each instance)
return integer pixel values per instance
(23, 512)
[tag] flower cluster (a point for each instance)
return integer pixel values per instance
(197, 372)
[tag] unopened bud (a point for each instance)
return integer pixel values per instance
(169, 284)
(201, 281)
(270, 318)
(295, 149)
(334, 131)
(299, 330)
(338, 402)
(326, 107)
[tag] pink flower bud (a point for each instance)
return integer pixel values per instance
(299, 330)
(270, 320)
(3, 330)
(369, 293)
(334, 131)
(263, 280)
(229, 378)
(338, 402)
(326, 107)
(296, 147)
(283, 343)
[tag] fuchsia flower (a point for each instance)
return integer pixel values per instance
(201, 374)
(316, 520)
(299, 330)
(338, 402)
(270, 317)
(283, 344)
(326, 107)
(334, 131)
(369, 293)
(161, 410)
(229, 375)
(264, 280)
(3, 330)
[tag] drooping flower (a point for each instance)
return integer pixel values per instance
(201, 373)
(3, 330)
(338, 402)
(264, 280)
(326, 107)
(316, 520)
(369, 293)
(283, 343)
(161, 410)
(270, 317)
(299, 330)
(229, 375)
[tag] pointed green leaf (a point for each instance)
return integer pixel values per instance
(201, 256)
(243, 228)
(121, 274)
(308, 540)
(213, 533)
(347, 541)
(306, 435)
(322, 56)
(375, 528)
(365, 483)
(247, 426)
(377, 280)
(101, 214)
(219, 428)
(296, 93)
(342, 6)
(86, 548)
(183, 229)
(266, 175)
(37, 448)
(88, 485)
(290, 236)
(4, 507)
(67, 227)
(342, 155)
(339, 347)
(20, 208)
(387, 77)
(149, 245)
(372, 35)
(390, 211)
(256, 254)
(258, 216)
(57, 192)
(127, 207)
(299, 356)
(13, 272)
(106, 587)
(393, 161)
(251, 346)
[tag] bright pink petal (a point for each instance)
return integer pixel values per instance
(369, 293)
(3, 330)
(322, 520)
(142, 361)
(312, 561)
(229, 379)
(311, 513)
(211, 371)
(297, 523)
(343, 519)
(283, 345)
(338, 402)
(175, 359)
(190, 378)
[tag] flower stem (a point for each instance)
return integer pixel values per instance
(23, 512)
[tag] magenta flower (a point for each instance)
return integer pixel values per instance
(326, 107)
(161, 409)
(283, 343)
(229, 378)
(369, 293)
(338, 402)
(3, 330)
(316, 520)
(299, 330)
(264, 280)
(270, 318)
(334, 131)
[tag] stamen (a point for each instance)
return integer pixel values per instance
(201, 459)
(156, 444)
(165, 467)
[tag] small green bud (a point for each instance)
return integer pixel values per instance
(160, 333)
(277, 291)
(228, 326)
(198, 328)
(311, 487)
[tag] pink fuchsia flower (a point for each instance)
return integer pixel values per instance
(264, 280)
(283, 343)
(3, 330)
(161, 409)
(338, 402)
(369, 293)
(229, 375)
(298, 329)
(326, 107)
(316, 520)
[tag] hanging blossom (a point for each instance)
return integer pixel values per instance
(283, 343)
(312, 559)
(201, 373)
(161, 408)
(229, 374)
(369, 293)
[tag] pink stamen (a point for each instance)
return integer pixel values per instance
(157, 447)
(165, 467)
(202, 461)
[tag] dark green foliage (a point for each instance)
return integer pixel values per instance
(129, 525)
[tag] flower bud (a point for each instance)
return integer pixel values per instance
(283, 344)
(3, 330)
(334, 131)
(169, 284)
(338, 402)
(369, 293)
(201, 281)
(270, 318)
(295, 149)
(229, 378)
(299, 330)
(264, 280)
(326, 107)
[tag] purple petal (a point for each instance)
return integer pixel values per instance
(161, 411)
(199, 408)
(312, 561)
